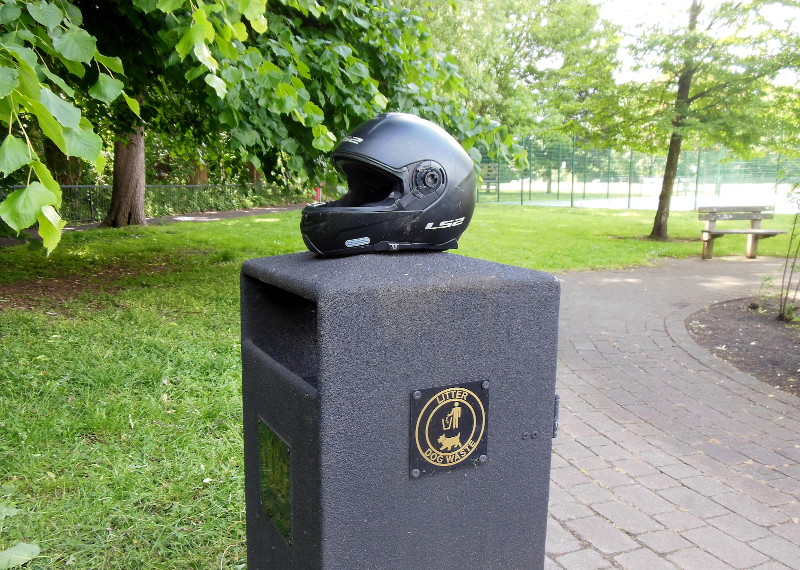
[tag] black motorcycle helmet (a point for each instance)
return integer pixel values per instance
(411, 186)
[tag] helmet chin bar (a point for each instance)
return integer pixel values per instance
(384, 246)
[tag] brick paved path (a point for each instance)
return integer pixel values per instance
(667, 457)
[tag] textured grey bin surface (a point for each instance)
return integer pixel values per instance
(333, 350)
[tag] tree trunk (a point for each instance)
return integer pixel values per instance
(682, 103)
(200, 175)
(659, 231)
(127, 196)
(254, 174)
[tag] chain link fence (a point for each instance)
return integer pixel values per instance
(570, 175)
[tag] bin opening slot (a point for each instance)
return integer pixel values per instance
(283, 325)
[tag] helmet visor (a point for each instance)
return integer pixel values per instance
(367, 186)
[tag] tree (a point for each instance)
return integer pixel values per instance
(538, 67)
(283, 79)
(715, 84)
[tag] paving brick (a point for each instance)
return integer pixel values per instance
(569, 510)
(663, 541)
(583, 560)
(590, 493)
(680, 470)
(693, 502)
(779, 549)
(772, 565)
(645, 500)
(760, 491)
(609, 477)
(706, 486)
(568, 476)
(752, 510)
(789, 531)
(602, 535)
(559, 540)
(679, 520)
(550, 565)
(641, 559)
(635, 467)
(726, 548)
(696, 559)
(626, 517)
(739, 527)
(590, 463)
(658, 481)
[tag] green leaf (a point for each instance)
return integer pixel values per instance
(9, 79)
(106, 89)
(9, 13)
(253, 9)
(65, 112)
(18, 555)
(112, 63)
(43, 173)
(217, 84)
(6, 511)
(58, 81)
(203, 54)
(49, 125)
(380, 101)
(192, 36)
(19, 209)
(133, 104)
(169, 6)
(50, 226)
(46, 14)
(82, 143)
(475, 154)
(313, 112)
(76, 44)
(323, 138)
(14, 154)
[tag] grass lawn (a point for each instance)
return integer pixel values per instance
(120, 405)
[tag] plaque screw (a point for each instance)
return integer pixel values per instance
(415, 473)
(485, 385)
(482, 459)
(526, 435)
(417, 394)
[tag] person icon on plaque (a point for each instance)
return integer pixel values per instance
(451, 419)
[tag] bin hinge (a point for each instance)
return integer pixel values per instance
(555, 415)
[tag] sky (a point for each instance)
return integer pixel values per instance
(632, 12)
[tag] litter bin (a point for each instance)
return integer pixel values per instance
(398, 411)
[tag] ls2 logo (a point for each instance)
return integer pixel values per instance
(445, 224)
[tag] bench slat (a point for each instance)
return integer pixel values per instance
(705, 209)
(735, 216)
(758, 232)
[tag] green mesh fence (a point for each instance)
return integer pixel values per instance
(90, 203)
(566, 174)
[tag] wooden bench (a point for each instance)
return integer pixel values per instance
(712, 215)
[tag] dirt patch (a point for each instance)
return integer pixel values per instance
(746, 333)
(48, 293)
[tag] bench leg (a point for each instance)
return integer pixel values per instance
(752, 246)
(708, 248)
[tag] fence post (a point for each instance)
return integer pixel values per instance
(697, 179)
(630, 179)
(572, 176)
